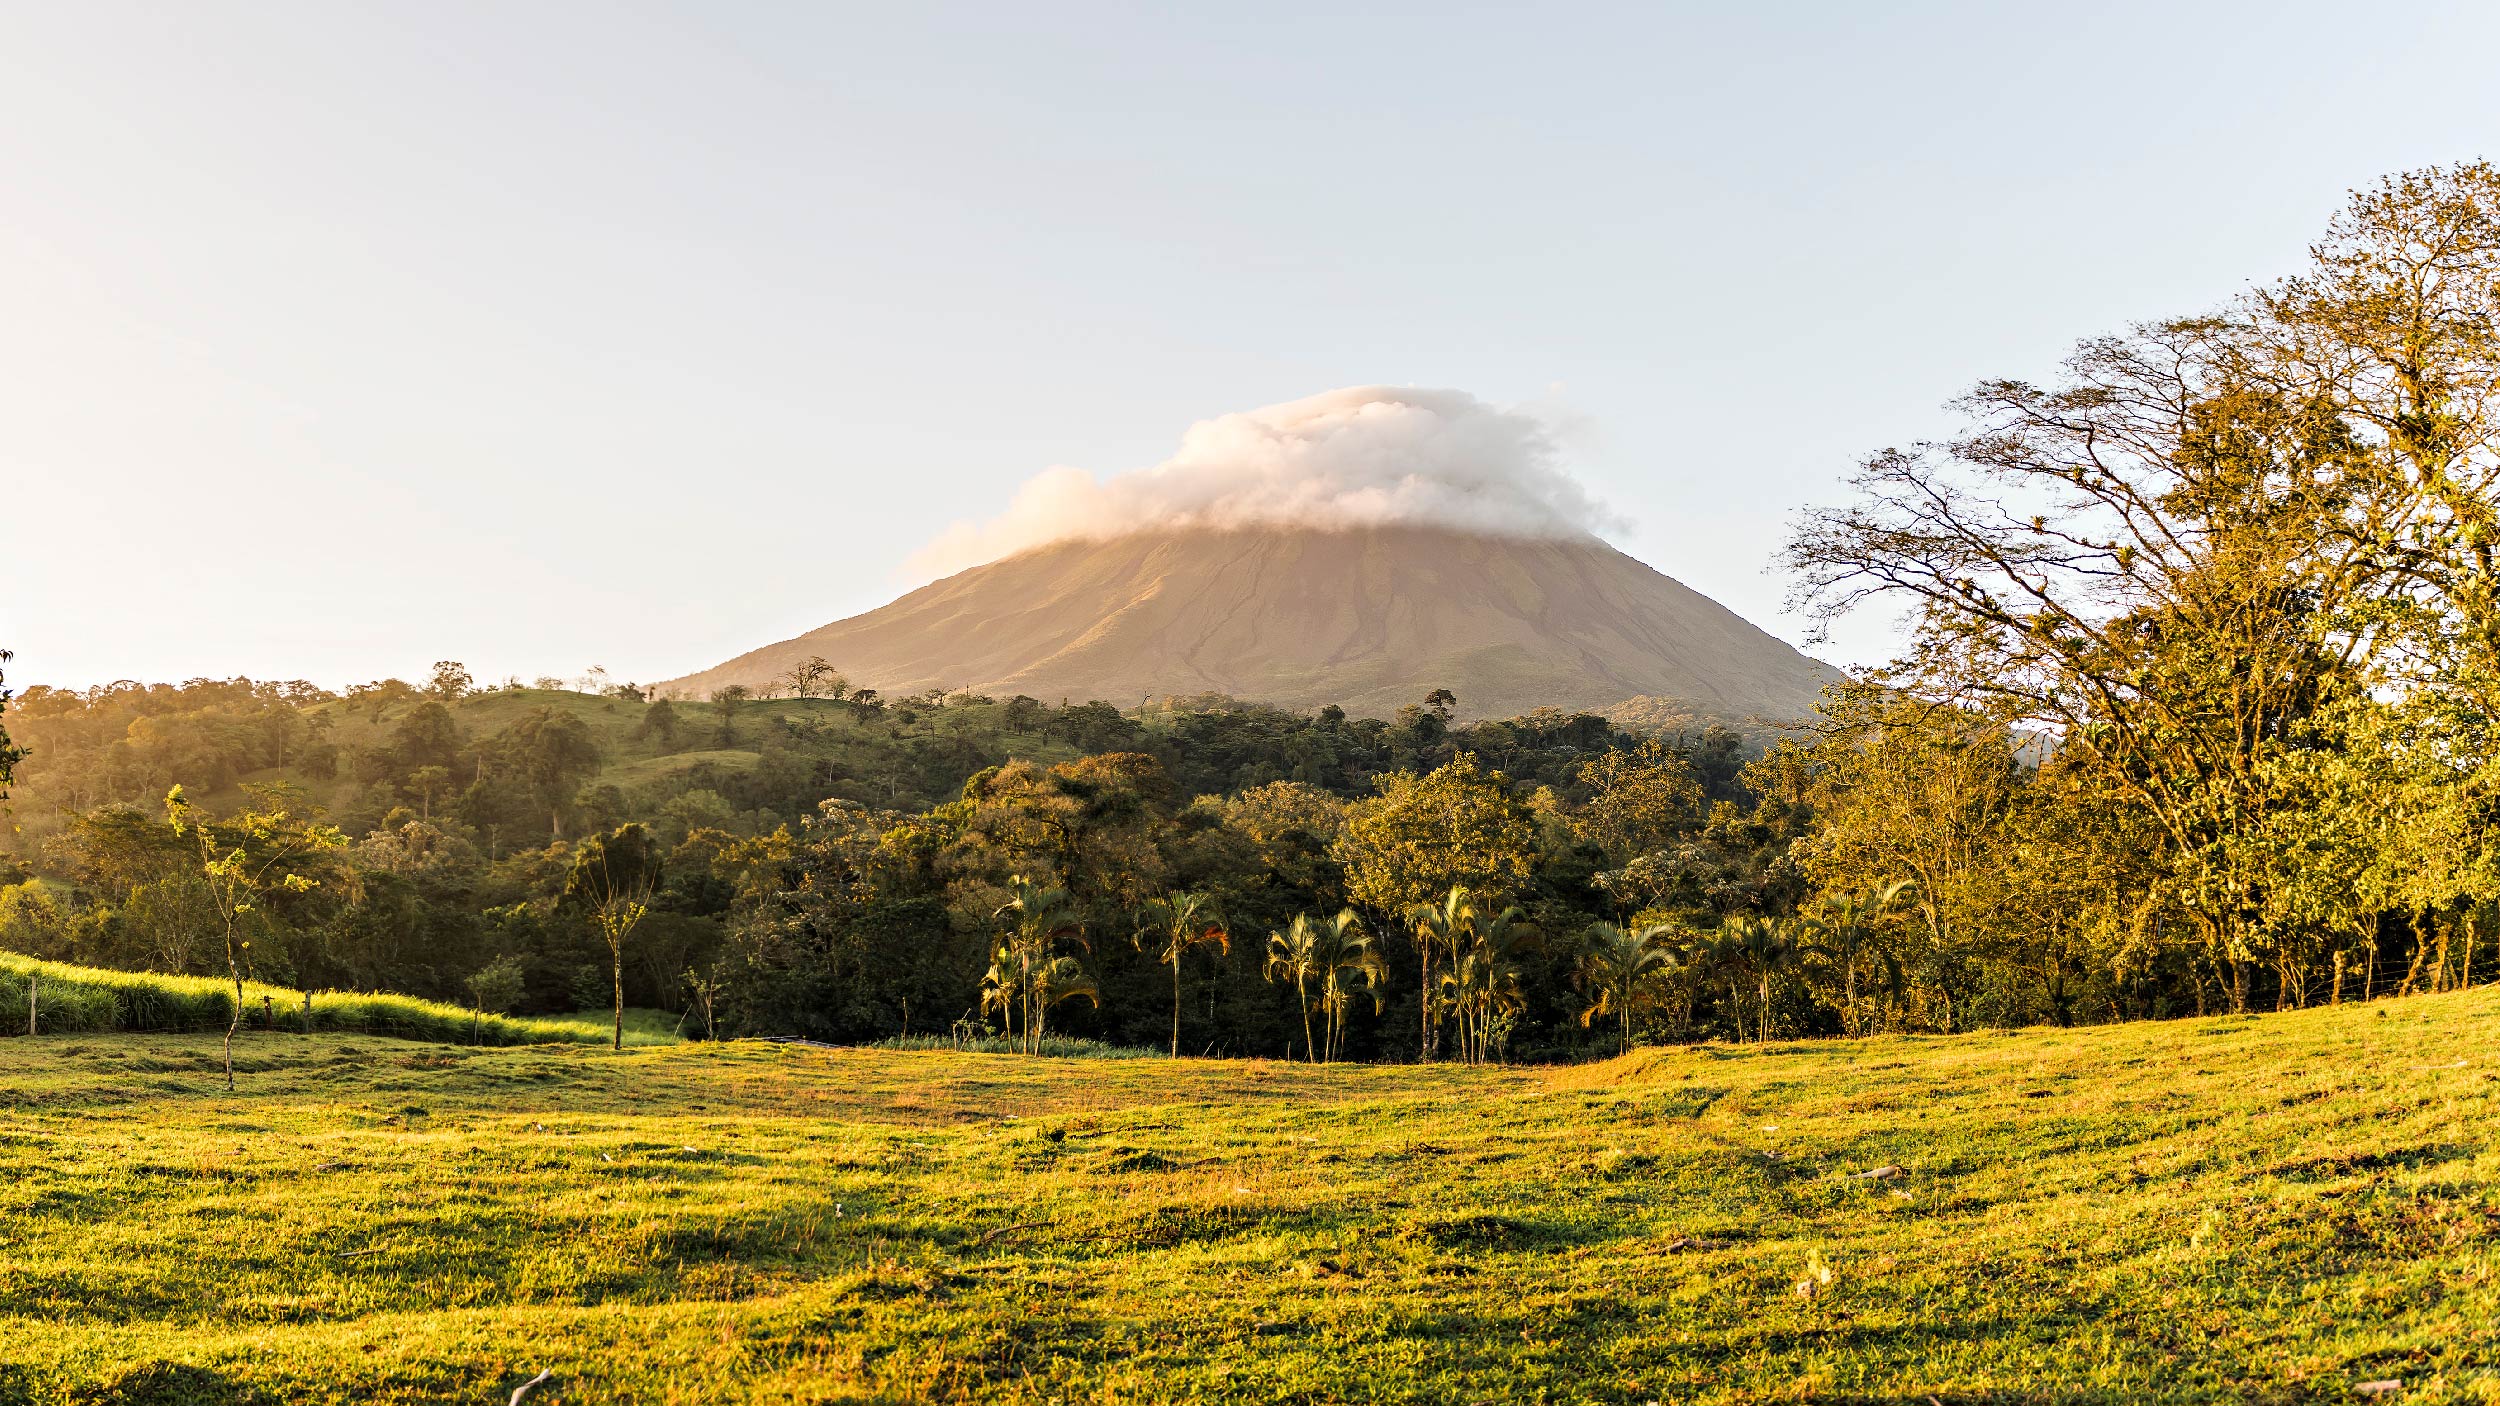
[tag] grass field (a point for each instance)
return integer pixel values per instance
(2276, 1208)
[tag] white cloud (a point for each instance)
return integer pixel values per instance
(1365, 456)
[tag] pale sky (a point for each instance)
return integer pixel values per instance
(336, 339)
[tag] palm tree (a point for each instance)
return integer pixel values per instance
(1753, 949)
(1041, 916)
(1345, 953)
(1055, 980)
(1483, 982)
(1619, 968)
(1846, 932)
(1441, 927)
(1003, 988)
(1179, 923)
(1293, 955)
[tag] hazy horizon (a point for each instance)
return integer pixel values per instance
(344, 340)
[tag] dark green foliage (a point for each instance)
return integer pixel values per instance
(838, 863)
(9, 756)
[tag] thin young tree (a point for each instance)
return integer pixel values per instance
(614, 879)
(1003, 988)
(1294, 955)
(1173, 927)
(246, 860)
(1440, 928)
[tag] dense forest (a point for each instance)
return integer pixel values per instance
(2198, 713)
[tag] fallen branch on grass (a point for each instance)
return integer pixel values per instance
(524, 1388)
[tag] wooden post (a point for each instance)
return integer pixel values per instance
(308, 1010)
(269, 1012)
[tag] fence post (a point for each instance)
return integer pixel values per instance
(308, 1010)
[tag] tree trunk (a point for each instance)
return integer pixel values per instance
(616, 969)
(236, 1022)
(2421, 949)
(1310, 1051)
(1423, 1002)
(1176, 1004)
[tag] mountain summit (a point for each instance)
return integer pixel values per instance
(1370, 618)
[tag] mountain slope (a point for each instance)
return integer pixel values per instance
(1368, 618)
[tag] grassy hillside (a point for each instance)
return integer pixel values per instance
(68, 999)
(2276, 1208)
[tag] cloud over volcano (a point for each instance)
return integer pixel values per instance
(1365, 456)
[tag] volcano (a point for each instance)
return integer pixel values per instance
(1368, 618)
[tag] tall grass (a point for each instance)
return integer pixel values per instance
(72, 999)
(1053, 1046)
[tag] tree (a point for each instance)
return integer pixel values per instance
(2212, 534)
(426, 736)
(9, 756)
(450, 681)
(1643, 799)
(703, 989)
(1180, 923)
(613, 880)
(725, 701)
(1346, 955)
(1025, 970)
(248, 860)
(1847, 931)
(1909, 789)
(1750, 950)
(1482, 984)
(2168, 562)
(809, 675)
(428, 780)
(496, 988)
(1620, 970)
(1293, 955)
(1440, 929)
(1458, 825)
(659, 720)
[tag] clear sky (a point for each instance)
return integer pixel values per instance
(336, 339)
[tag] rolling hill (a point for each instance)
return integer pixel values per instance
(1366, 618)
